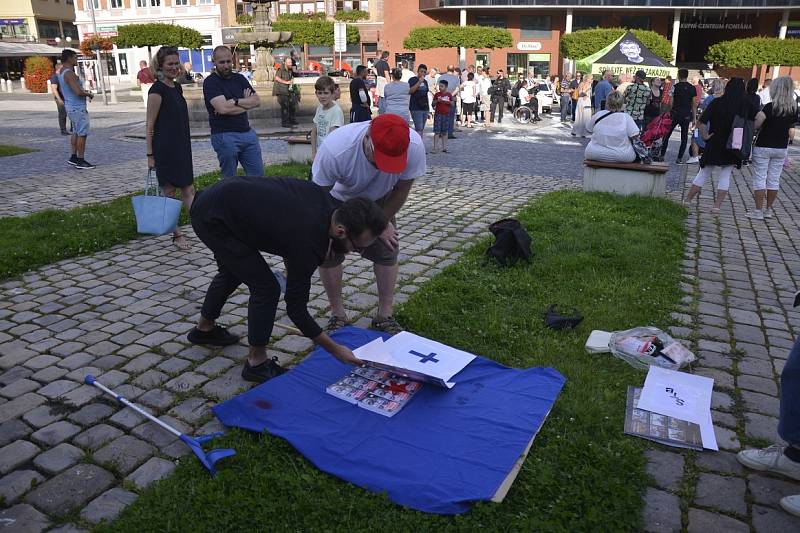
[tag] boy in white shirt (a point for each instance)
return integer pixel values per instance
(328, 116)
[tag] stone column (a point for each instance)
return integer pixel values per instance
(776, 69)
(568, 65)
(676, 30)
(462, 52)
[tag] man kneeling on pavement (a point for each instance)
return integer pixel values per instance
(239, 218)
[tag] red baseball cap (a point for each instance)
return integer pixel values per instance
(390, 138)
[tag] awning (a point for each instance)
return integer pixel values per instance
(626, 55)
(28, 49)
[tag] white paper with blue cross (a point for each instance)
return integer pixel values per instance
(416, 357)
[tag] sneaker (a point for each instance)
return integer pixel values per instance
(264, 372)
(387, 325)
(770, 459)
(791, 504)
(336, 322)
(680, 161)
(84, 165)
(452, 137)
(769, 213)
(692, 160)
(64, 132)
(218, 336)
(73, 160)
(755, 215)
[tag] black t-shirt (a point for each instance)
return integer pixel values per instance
(233, 87)
(356, 86)
(682, 95)
(418, 100)
(774, 132)
(286, 217)
(381, 66)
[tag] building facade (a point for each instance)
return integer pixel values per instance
(209, 17)
(37, 20)
(537, 27)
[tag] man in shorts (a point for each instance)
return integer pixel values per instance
(378, 160)
(75, 103)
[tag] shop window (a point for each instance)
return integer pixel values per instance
(534, 27)
(636, 22)
(496, 21)
(111, 65)
(530, 65)
(123, 64)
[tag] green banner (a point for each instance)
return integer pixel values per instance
(652, 72)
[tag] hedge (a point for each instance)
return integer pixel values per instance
(755, 51)
(583, 43)
(351, 16)
(312, 30)
(157, 34)
(453, 36)
(38, 70)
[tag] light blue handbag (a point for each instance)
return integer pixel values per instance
(155, 213)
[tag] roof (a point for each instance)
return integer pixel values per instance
(28, 49)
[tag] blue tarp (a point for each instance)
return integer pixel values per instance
(444, 450)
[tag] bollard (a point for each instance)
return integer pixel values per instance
(10, 86)
(49, 86)
(2, 85)
(114, 95)
(22, 83)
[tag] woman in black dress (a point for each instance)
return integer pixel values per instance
(716, 124)
(169, 146)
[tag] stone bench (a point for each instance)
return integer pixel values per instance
(625, 178)
(299, 149)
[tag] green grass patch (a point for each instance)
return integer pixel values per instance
(615, 259)
(48, 236)
(7, 150)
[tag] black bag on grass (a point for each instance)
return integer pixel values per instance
(511, 242)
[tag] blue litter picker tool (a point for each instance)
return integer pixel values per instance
(208, 459)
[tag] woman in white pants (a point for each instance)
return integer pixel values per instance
(716, 124)
(775, 123)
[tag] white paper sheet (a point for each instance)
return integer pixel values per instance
(417, 355)
(680, 395)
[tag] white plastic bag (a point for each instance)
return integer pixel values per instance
(645, 346)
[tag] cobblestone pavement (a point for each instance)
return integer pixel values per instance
(43, 180)
(740, 278)
(123, 314)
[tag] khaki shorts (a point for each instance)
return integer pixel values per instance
(379, 253)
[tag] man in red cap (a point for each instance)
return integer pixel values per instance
(378, 160)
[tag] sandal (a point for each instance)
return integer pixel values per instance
(184, 245)
(336, 322)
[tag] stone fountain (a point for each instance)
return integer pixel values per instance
(264, 40)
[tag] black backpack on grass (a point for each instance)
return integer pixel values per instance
(511, 242)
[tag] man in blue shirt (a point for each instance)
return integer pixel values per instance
(75, 104)
(603, 89)
(228, 96)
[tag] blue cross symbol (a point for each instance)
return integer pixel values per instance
(425, 358)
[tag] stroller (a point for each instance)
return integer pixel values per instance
(654, 134)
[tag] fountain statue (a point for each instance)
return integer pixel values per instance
(264, 40)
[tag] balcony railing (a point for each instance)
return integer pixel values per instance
(722, 4)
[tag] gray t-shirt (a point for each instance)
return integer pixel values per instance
(452, 81)
(397, 98)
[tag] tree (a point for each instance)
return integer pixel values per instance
(157, 34)
(312, 29)
(244, 20)
(453, 36)
(583, 43)
(38, 70)
(755, 51)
